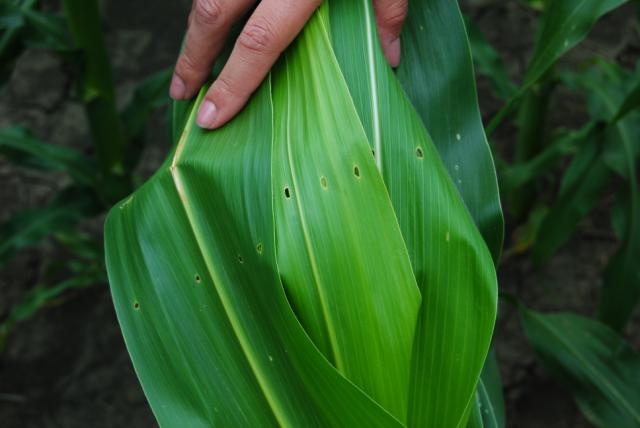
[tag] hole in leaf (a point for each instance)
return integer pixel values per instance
(323, 182)
(259, 248)
(356, 171)
(136, 305)
(419, 153)
(198, 279)
(287, 193)
(240, 259)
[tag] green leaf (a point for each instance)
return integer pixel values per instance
(334, 220)
(564, 24)
(488, 411)
(22, 148)
(288, 191)
(582, 186)
(565, 143)
(47, 31)
(489, 62)
(239, 356)
(593, 361)
(29, 227)
(432, 217)
(151, 94)
(437, 75)
(43, 295)
(609, 88)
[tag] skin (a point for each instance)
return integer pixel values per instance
(270, 29)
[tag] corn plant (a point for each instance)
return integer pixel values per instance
(315, 262)
(589, 356)
(97, 180)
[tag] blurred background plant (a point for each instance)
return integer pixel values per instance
(553, 176)
(565, 130)
(100, 174)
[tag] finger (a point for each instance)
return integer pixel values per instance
(209, 25)
(390, 16)
(272, 27)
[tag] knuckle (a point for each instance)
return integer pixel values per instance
(208, 12)
(258, 36)
(188, 66)
(222, 88)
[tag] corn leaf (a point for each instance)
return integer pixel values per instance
(338, 241)
(437, 75)
(564, 24)
(583, 185)
(489, 62)
(238, 356)
(150, 95)
(215, 199)
(565, 143)
(27, 228)
(433, 220)
(19, 146)
(297, 288)
(488, 411)
(593, 361)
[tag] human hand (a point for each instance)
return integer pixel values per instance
(272, 27)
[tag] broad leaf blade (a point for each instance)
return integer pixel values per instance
(338, 241)
(601, 370)
(19, 146)
(459, 304)
(192, 265)
(436, 72)
(564, 24)
(27, 228)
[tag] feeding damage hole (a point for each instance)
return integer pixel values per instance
(136, 305)
(287, 193)
(356, 171)
(419, 153)
(259, 248)
(240, 259)
(198, 279)
(323, 182)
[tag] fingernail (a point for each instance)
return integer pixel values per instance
(177, 90)
(207, 114)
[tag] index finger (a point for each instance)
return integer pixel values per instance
(272, 27)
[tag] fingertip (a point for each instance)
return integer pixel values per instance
(177, 89)
(392, 52)
(207, 115)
